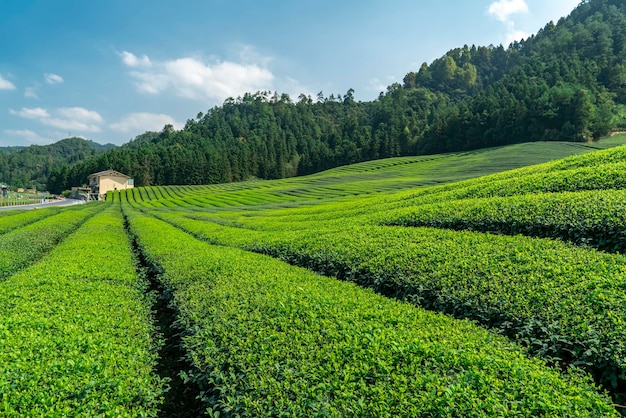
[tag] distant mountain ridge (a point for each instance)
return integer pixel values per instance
(11, 149)
(566, 83)
(30, 166)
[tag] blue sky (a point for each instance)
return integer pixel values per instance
(109, 70)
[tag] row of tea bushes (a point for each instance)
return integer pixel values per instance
(565, 303)
(23, 246)
(76, 331)
(18, 218)
(269, 339)
(607, 156)
(596, 218)
(599, 170)
(595, 177)
(595, 171)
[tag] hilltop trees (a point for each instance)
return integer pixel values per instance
(38, 165)
(567, 82)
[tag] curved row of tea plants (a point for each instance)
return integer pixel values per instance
(596, 218)
(524, 181)
(565, 303)
(269, 339)
(76, 331)
(19, 218)
(607, 156)
(594, 172)
(584, 337)
(24, 245)
(403, 173)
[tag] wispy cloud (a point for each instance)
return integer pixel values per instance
(515, 35)
(294, 89)
(378, 85)
(53, 78)
(30, 93)
(503, 10)
(75, 119)
(66, 118)
(80, 114)
(131, 60)
(142, 122)
(6, 84)
(27, 135)
(198, 79)
(30, 113)
(71, 125)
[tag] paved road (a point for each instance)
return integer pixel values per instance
(60, 202)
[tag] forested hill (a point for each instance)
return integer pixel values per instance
(567, 82)
(31, 166)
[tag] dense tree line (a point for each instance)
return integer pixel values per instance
(31, 166)
(567, 82)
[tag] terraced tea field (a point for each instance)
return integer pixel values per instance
(464, 285)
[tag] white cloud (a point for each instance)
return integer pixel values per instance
(249, 55)
(294, 89)
(194, 78)
(66, 118)
(132, 60)
(150, 83)
(515, 35)
(503, 9)
(80, 114)
(27, 135)
(6, 84)
(141, 122)
(379, 85)
(53, 78)
(71, 125)
(30, 93)
(31, 113)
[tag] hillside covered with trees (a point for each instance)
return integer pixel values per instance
(567, 83)
(31, 166)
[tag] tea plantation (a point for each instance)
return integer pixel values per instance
(461, 285)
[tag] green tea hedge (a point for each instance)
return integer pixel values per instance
(269, 339)
(76, 332)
